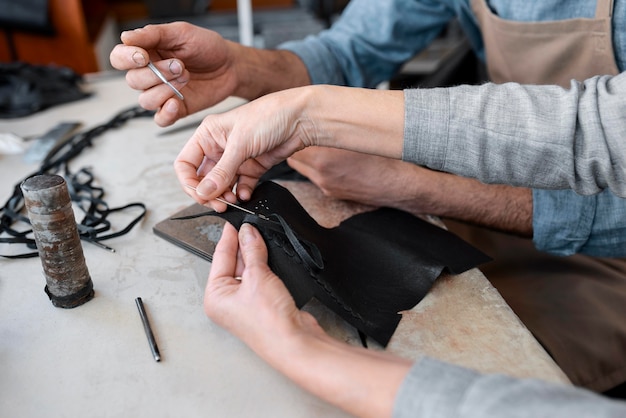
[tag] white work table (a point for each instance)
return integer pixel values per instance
(94, 360)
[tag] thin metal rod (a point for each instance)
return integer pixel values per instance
(146, 326)
(158, 73)
(227, 203)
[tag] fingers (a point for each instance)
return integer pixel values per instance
(221, 176)
(204, 179)
(171, 111)
(139, 77)
(221, 282)
(161, 36)
(125, 57)
(224, 262)
(189, 161)
(143, 78)
(148, 43)
(253, 248)
(236, 253)
(140, 47)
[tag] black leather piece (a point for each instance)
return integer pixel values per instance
(375, 264)
(26, 89)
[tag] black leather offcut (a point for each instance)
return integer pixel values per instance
(373, 265)
(26, 89)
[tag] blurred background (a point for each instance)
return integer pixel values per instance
(80, 33)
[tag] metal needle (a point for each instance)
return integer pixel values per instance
(158, 73)
(226, 202)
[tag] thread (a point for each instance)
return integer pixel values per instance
(47, 199)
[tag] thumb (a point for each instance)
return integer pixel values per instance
(252, 246)
(220, 178)
(165, 36)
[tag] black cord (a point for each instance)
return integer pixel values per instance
(87, 196)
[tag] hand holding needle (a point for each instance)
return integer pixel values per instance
(158, 73)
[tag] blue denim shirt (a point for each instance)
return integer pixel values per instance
(373, 39)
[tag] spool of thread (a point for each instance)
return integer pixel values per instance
(68, 283)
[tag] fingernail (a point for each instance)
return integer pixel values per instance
(175, 67)
(206, 188)
(139, 59)
(171, 107)
(244, 194)
(246, 234)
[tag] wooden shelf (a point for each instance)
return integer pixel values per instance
(76, 25)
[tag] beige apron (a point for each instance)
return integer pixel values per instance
(575, 306)
(550, 52)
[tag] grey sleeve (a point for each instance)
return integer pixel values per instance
(436, 389)
(542, 137)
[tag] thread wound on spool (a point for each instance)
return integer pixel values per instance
(47, 199)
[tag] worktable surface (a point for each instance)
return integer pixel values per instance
(94, 360)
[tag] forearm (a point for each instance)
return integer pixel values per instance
(260, 71)
(504, 208)
(378, 181)
(360, 381)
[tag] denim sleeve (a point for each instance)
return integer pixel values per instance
(371, 40)
(566, 223)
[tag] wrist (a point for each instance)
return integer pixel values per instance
(360, 381)
(357, 119)
(292, 346)
(260, 72)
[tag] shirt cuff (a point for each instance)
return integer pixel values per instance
(319, 61)
(426, 116)
(433, 389)
(566, 223)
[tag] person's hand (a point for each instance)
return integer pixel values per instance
(239, 146)
(365, 178)
(247, 299)
(197, 61)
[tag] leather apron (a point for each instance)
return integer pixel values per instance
(575, 306)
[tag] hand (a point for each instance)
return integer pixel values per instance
(239, 146)
(196, 61)
(365, 178)
(246, 298)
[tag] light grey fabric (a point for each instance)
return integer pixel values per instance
(437, 389)
(533, 136)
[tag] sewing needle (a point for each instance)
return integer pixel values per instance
(158, 73)
(226, 202)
